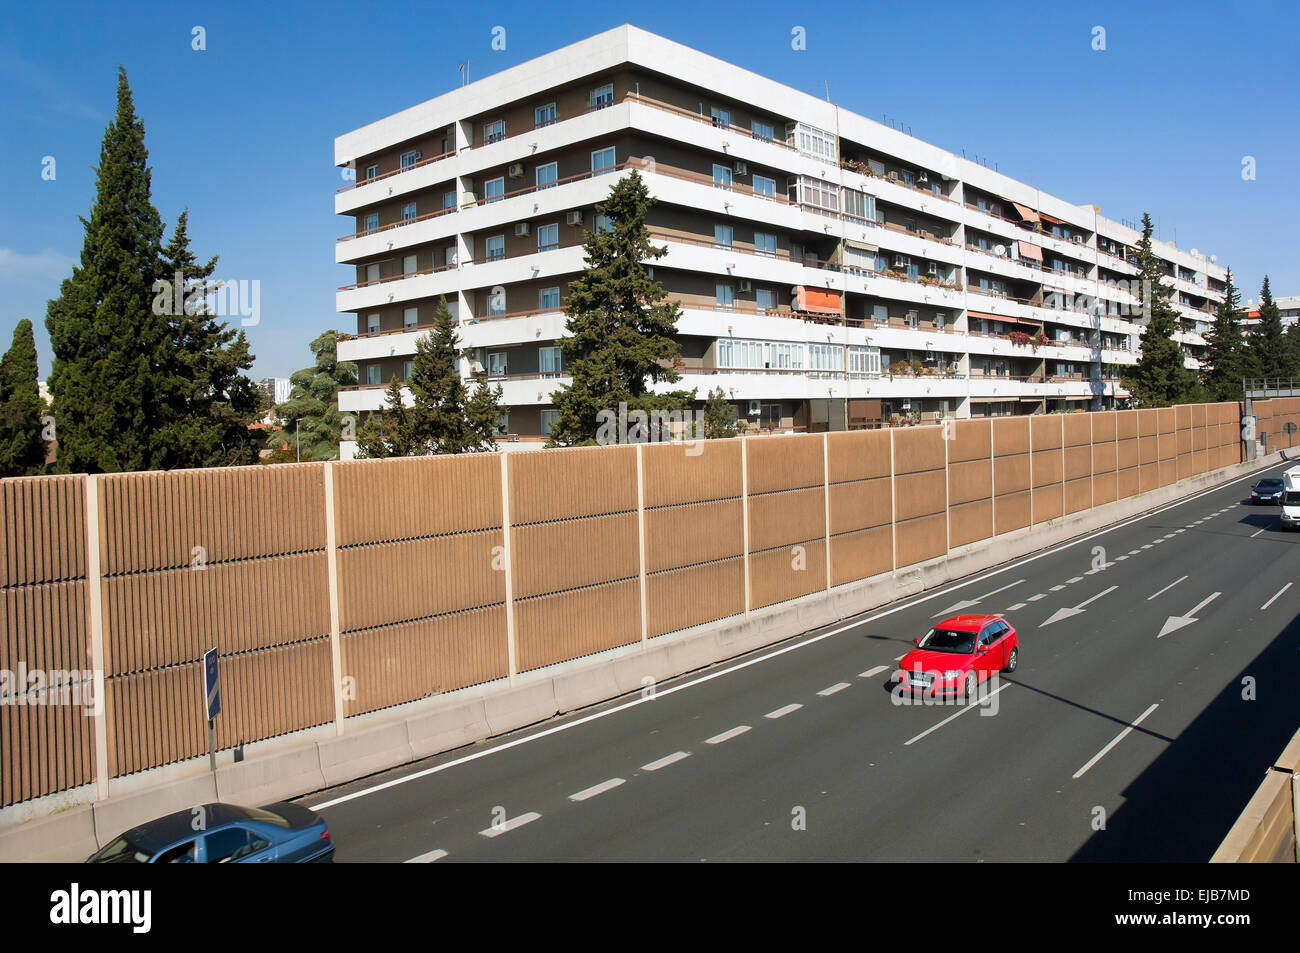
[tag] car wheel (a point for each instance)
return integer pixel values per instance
(1013, 659)
(972, 686)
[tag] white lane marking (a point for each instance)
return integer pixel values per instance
(873, 672)
(969, 707)
(1016, 608)
(1169, 536)
(811, 640)
(1134, 552)
(665, 761)
(1041, 595)
(837, 687)
(782, 712)
(1146, 546)
(967, 603)
(1156, 542)
(1071, 582)
(1114, 741)
(1120, 559)
(1274, 599)
(727, 735)
(1256, 533)
(496, 830)
(595, 789)
(1177, 531)
(428, 858)
(1056, 588)
(901, 657)
(1067, 612)
(1176, 622)
(1166, 588)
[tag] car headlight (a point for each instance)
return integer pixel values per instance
(954, 674)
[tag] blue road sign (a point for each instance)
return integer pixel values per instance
(211, 689)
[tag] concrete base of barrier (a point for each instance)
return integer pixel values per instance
(387, 739)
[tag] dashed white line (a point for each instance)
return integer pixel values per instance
(969, 707)
(1166, 588)
(1056, 589)
(1134, 552)
(872, 672)
(496, 830)
(428, 858)
(1168, 536)
(901, 657)
(1041, 595)
(1071, 582)
(1146, 545)
(1274, 599)
(1177, 531)
(1256, 533)
(665, 761)
(1120, 559)
(782, 712)
(1114, 741)
(595, 789)
(831, 690)
(1016, 607)
(727, 735)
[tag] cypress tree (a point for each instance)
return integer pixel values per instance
(311, 418)
(1271, 350)
(1160, 377)
(107, 341)
(207, 401)
(22, 447)
(621, 329)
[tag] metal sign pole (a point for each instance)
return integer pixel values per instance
(211, 702)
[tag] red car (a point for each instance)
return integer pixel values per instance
(959, 653)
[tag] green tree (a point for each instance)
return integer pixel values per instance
(107, 341)
(22, 447)
(1226, 360)
(1268, 344)
(1160, 377)
(310, 418)
(207, 402)
(622, 329)
(719, 416)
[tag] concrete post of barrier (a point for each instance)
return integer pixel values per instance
(893, 506)
(826, 497)
(95, 628)
(332, 570)
(744, 510)
(507, 559)
(1061, 418)
(1030, 422)
(640, 536)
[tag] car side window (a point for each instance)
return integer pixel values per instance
(180, 854)
(989, 635)
(232, 843)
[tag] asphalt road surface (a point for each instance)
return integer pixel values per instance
(1110, 742)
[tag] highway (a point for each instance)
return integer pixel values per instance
(1111, 741)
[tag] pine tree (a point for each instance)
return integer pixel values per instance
(1160, 377)
(622, 330)
(719, 416)
(1226, 360)
(310, 418)
(1271, 350)
(22, 447)
(438, 394)
(389, 433)
(481, 415)
(106, 339)
(207, 402)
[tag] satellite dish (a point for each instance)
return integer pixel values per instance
(1000, 250)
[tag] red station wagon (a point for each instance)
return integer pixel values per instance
(959, 653)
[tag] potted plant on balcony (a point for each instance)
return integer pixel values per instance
(916, 367)
(1040, 339)
(1018, 338)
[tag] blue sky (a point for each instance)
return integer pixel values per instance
(242, 133)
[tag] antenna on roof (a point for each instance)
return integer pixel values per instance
(464, 69)
(828, 90)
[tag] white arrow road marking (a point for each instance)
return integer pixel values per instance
(1114, 741)
(1066, 613)
(506, 826)
(967, 603)
(1166, 588)
(428, 858)
(1274, 599)
(1176, 622)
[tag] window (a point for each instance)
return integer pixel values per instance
(408, 265)
(546, 175)
(372, 375)
(859, 205)
(602, 160)
(503, 424)
(548, 237)
(371, 273)
(408, 368)
(765, 299)
(908, 178)
(494, 190)
(372, 324)
(940, 320)
(231, 844)
(909, 223)
(494, 131)
(544, 115)
(721, 117)
(724, 295)
(548, 299)
(496, 303)
(604, 225)
(723, 235)
(814, 142)
(935, 191)
(548, 361)
(410, 317)
(721, 176)
(496, 248)
(549, 419)
(372, 172)
(876, 166)
(448, 200)
(449, 256)
(879, 314)
(864, 361)
(765, 244)
(601, 96)
(408, 212)
(409, 159)
(764, 186)
(760, 130)
(180, 854)
(913, 319)
(496, 363)
(370, 222)
(826, 357)
(818, 193)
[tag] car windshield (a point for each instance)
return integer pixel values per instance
(949, 640)
(119, 851)
(1269, 485)
(1292, 499)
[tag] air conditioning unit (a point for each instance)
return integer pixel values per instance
(517, 170)
(922, 178)
(745, 284)
(932, 269)
(740, 169)
(893, 176)
(1078, 239)
(573, 218)
(754, 408)
(521, 229)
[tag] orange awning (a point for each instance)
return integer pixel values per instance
(1026, 213)
(1053, 221)
(816, 300)
(1030, 250)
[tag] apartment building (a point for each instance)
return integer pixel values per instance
(832, 272)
